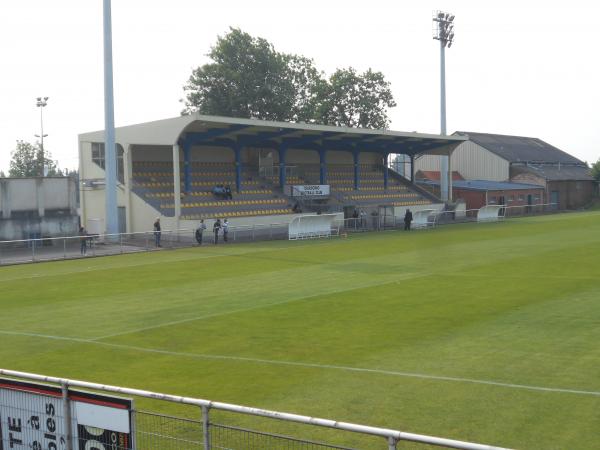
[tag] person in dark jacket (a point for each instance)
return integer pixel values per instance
(216, 228)
(83, 240)
(157, 232)
(407, 220)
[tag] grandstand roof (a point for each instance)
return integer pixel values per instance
(486, 185)
(519, 148)
(223, 131)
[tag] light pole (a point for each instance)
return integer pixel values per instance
(443, 31)
(112, 224)
(41, 103)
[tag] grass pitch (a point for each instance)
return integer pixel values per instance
(488, 333)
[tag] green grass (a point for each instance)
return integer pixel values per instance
(516, 303)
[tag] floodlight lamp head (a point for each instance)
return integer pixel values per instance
(440, 15)
(449, 44)
(451, 18)
(39, 99)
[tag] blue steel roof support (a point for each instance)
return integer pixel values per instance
(195, 137)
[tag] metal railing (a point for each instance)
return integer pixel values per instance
(387, 222)
(71, 247)
(154, 431)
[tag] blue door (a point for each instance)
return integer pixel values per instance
(554, 199)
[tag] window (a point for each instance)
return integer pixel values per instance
(98, 154)
(98, 157)
(511, 198)
(521, 197)
(493, 200)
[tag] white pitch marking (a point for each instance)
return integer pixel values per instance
(252, 308)
(312, 365)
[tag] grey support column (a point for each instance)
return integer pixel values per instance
(282, 177)
(385, 171)
(356, 158)
(176, 185)
(450, 175)
(127, 176)
(40, 196)
(5, 199)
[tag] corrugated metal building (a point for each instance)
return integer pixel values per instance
(566, 180)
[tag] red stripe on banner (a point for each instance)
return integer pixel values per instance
(79, 398)
(30, 389)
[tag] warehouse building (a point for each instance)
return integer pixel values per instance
(566, 180)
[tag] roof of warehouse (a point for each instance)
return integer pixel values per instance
(485, 185)
(559, 173)
(223, 131)
(519, 148)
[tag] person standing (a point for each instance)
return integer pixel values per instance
(225, 229)
(199, 231)
(157, 232)
(408, 217)
(83, 241)
(216, 228)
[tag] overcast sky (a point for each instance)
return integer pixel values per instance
(517, 67)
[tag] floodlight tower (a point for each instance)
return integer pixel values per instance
(110, 167)
(443, 31)
(41, 103)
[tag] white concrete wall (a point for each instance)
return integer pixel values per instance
(17, 229)
(472, 161)
(399, 211)
(37, 194)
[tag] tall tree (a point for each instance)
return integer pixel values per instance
(356, 100)
(249, 78)
(26, 161)
(596, 170)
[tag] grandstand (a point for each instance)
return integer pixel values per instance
(179, 169)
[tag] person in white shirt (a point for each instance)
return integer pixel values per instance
(225, 230)
(199, 231)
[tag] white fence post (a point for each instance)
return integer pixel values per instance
(392, 443)
(205, 428)
(67, 416)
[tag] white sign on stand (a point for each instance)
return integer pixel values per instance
(309, 190)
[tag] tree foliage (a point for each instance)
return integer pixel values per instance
(26, 161)
(248, 78)
(596, 170)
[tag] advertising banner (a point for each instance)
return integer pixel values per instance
(32, 416)
(310, 190)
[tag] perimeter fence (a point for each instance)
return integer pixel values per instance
(42, 412)
(71, 247)
(431, 218)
